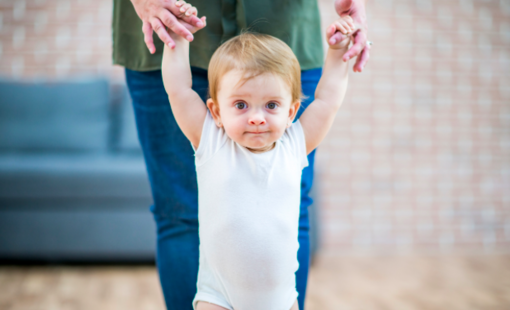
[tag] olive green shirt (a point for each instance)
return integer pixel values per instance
(296, 22)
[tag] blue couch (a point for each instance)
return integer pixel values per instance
(73, 184)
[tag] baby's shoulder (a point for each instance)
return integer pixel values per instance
(294, 133)
(212, 139)
(294, 140)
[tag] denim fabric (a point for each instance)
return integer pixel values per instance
(170, 165)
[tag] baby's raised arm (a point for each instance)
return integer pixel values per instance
(318, 117)
(187, 107)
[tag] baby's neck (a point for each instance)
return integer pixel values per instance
(262, 150)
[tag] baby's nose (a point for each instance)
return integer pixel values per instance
(257, 119)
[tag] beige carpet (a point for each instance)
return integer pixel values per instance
(461, 282)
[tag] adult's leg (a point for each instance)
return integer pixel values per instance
(170, 165)
(309, 81)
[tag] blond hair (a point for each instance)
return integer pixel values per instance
(255, 54)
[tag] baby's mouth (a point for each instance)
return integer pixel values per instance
(256, 132)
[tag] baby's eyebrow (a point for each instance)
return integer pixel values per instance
(240, 95)
(237, 95)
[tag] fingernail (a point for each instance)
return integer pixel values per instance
(199, 23)
(190, 38)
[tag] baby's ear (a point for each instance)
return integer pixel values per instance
(294, 108)
(214, 109)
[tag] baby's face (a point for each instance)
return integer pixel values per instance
(254, 114)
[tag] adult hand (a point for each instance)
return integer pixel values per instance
(360, 48)
(157, 15)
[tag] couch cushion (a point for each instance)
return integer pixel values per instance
(47, 176)
(67, 115)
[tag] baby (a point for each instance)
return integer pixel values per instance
(249, 156)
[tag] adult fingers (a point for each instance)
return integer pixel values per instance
(170, 21)
(160, 29)
(360, 41)
(191, 27)
(192, 19)
(362, 59)
(343, 6)
(147, 37)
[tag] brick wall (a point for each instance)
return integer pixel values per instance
(56, 38)
(419, 156)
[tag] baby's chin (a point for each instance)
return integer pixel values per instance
(256, 146)
(262, 149)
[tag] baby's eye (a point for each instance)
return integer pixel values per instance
(240, 105)
(272, 105)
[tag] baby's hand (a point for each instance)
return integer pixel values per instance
(187, 9)
(344, 25)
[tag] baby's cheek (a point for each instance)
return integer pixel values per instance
(229, 130)
(282, 121)
(279, 131)
(234, 131)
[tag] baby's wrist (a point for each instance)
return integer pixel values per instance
(339, 49)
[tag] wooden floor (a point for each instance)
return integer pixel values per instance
(336, 282)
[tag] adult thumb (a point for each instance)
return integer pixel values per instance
(343, 6)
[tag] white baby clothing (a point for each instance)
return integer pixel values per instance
(248, 220)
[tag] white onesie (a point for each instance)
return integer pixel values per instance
(248, 220)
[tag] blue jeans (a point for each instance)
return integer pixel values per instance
(170, 165)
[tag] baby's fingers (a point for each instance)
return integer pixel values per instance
(348, 19)
(191, 11)
(335, 38)
(185, 9)
(342, 27)
(180, 3)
